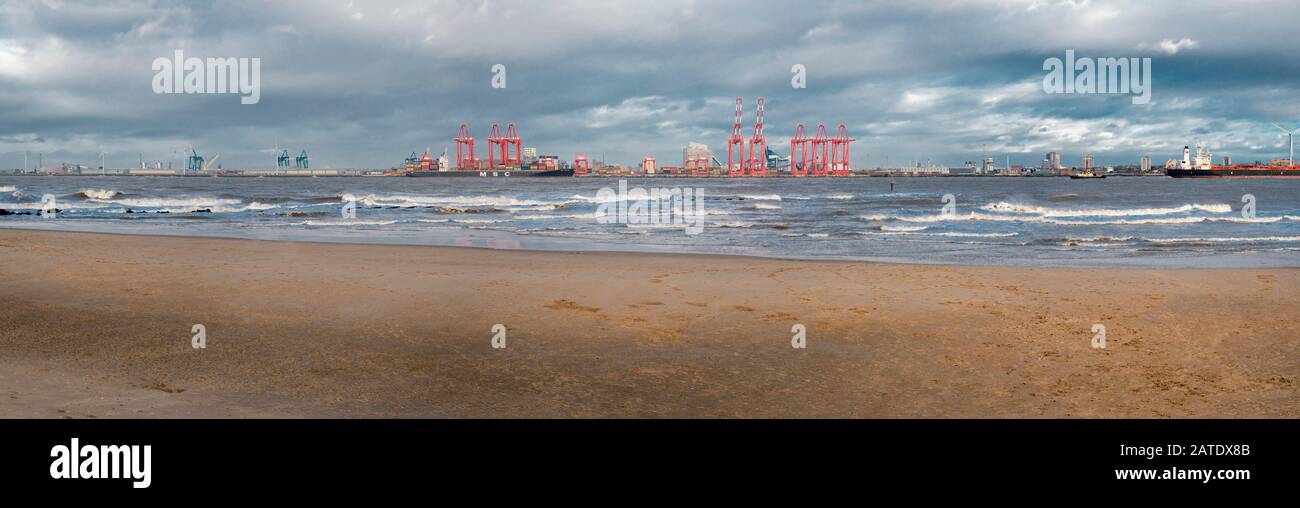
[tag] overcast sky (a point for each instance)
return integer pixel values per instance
(364, 83)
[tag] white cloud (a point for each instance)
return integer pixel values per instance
(1170, 46)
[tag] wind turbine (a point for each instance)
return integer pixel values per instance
(1290, 149)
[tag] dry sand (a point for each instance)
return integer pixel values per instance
(99, 326)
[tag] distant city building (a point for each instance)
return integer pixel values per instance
(1054, 161)
(927, 169)
(1087, 162)
(987, 168)
(529, 155)
(1227, 161)
(1145, 165)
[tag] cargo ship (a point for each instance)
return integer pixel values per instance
(492, 173)
(426, 166)
(1202, 167)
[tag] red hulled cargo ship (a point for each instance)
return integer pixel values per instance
(1201, 167)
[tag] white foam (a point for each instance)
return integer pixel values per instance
(99, 194)
(190, 203)
(1228, 239)
(592, 215)
(416, 200)
(348, 223)
(1101, 239)
(956, 234)
(1100, 212)
(976, 216)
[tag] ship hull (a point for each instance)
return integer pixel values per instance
(1234, 173)
(494, 173)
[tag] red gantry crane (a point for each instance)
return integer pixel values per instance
(502, 144)
(840, 151)
(512, 139)
(736, 147)
(465, 149)
(758, 146)
(820, 144)
(495, 142)
(799, 152)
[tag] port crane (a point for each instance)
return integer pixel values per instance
(464, 148)
(799, 151)
(736, 146)
(757, 166)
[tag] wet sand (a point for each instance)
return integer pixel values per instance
(100, 326)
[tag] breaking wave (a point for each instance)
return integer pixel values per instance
(415, 200)
(98, 194)
(1100, 212)
(954, 234)
(976, 216)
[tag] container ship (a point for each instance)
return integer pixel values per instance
(1202, 167)
(425, 166)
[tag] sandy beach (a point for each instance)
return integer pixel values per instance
(99, 326)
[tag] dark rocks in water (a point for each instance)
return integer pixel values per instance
(4, 212)
(205, 210)
(128, 210)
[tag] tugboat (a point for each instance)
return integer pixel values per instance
(1086, 174)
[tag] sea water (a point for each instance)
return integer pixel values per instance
(1118, 221)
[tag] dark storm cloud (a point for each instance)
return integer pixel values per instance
(361, 84)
